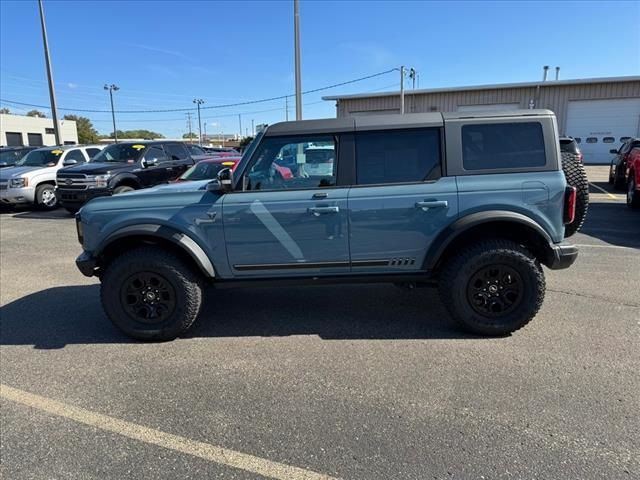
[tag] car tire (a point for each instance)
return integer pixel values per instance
(151, 294)
(576, 176)
(633, 197)
(46, 197)
(619, 182)
(611, 174)
(492, 288)
(122, 189)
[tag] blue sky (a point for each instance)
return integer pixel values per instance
(163, 54)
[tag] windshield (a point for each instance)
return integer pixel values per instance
(10, 156)
(40, 158)
(120, 153)
(206, 170)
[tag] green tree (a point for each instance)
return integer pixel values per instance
(146, 134)
(86, 132)
(4, 110)
(36, 113)
(190, 135)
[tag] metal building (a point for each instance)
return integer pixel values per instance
(598, 112)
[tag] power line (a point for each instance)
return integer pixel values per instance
(249, 102)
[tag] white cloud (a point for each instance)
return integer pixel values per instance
(72, 85)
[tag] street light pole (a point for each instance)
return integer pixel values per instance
(113, 88)
(240, 123)
(296, 29)
(52, 92)
(198, 102)
(402, 89)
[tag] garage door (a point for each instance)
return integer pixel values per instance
(599, 125)
(493, 107)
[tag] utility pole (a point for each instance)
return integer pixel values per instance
(198, 102)
(189, 124)
(286, 109)
(412, 75)
(52, 92)
(113, 88)
(240, 123)
(402, 89)
(296, 29)
(253, 130)
(205, 131)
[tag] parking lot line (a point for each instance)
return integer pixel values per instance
(604, 191)
(222, 456)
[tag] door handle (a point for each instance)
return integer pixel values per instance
(317, 211)
(320, 195)
(429, 204)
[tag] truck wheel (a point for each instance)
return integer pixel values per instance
(633, 197)
(150, 294)
(576, 177)
(494, 287)
(46, 197)
(618, 179)
(123, 189)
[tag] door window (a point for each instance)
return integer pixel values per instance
(176, 151)
(76, 155)
(92, 152)
(282, 163)
(398, 156)
(155, 153)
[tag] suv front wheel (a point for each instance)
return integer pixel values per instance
(493, 288)
(151, 294)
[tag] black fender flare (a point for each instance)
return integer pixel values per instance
(176, 237)
(463, 224)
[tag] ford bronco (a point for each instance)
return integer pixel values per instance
(474, 203)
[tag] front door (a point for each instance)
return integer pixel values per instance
(156, 167)
(401, 201)
(285, 223)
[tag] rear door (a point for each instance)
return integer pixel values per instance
(401, 201)
(179, 158)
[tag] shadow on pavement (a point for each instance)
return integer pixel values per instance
(57, 214)
(613, 223)
(61, 316)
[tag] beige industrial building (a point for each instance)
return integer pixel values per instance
(599, 112)
(18, 130)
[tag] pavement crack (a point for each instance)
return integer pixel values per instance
(595, 297)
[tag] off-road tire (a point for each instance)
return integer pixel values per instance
(576, 177)
(460, 270)
(186, 283)
(42, 193)
(122, 189)
(633, 197)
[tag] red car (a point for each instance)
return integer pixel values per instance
(633, 178)
(209, 168)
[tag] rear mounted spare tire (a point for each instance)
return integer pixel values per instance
(576, 177)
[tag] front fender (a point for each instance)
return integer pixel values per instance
(178, 238)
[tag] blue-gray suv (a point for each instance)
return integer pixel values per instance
(474, 203)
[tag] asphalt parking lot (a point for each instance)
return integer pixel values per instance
(358, 382)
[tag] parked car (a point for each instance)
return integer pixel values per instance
(10, 155)
(121, 168)
(475, 203)
(221, 151)
(32, 180)
(208, 169)
(633, 178)
(576, 177)
(618, 167)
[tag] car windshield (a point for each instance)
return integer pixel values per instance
(120, 153)
(9, 156)
(206, 170)
(40, 158)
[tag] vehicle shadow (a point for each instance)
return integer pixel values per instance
(34, 213)
(61, 316)
(613, 223)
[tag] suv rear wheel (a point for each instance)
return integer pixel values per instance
(493, 288)
(150, 294)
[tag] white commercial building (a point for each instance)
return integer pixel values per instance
(16, 130)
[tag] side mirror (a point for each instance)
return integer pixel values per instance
(69, 162)
(215, 186)
(613, 150)
(225, 177)
(149, 162)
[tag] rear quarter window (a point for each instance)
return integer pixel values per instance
(503, 146)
